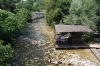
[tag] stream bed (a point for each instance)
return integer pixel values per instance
(34, 48)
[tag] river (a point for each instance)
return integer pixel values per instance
(35, 47)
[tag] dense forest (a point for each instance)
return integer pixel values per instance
(14, 14)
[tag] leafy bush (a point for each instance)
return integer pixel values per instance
(82, 13)
(6, 53)
(56, 10)
(21, 17)
(11, 23)
(5, 23)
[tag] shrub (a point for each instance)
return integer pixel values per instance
(6, 53)
(11, 23)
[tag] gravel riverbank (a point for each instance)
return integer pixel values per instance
(35, 47)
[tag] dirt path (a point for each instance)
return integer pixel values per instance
(35, 48)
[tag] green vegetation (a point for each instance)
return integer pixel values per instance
(12, 23)
(74, 12)
(6, 53)
(56, 10)
(9, 5)
(32, 5)
(98, 14)
(14, 14)
(82, 14)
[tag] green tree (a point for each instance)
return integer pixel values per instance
(32, 5)
(98, 3)
(5, 24)
(21, 18)
(38, 5)
(6, 54)
(56, 10)
(82, 12)
(9, 5)
(98, 14)
(11, 23)
(28, 4)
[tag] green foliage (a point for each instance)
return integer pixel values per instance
(98, 14)
(38, 5)
(6, 53)
(11, 23)
(9, 5)
(32, 5)
(82, 12)
(21, 17)
(88, 37)
(56, 10)
(5, 23)
(98, 11)
(28, 4)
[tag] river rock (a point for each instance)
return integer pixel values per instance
(39, 42)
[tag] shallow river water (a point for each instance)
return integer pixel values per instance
(34, 48)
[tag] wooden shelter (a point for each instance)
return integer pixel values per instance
(71, 28)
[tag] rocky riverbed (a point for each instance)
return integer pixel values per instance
(35, 47)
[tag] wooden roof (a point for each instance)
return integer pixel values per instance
(72, 28)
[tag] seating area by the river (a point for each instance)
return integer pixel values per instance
(68, 38)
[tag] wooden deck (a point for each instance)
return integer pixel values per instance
(96, 53)
(69, 46)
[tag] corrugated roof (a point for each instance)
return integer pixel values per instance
(72, 28)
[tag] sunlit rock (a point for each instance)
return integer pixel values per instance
(39, 42)
(35, 42)
(54, 61)
(25, 58)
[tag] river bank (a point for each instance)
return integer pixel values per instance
(35, 47)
